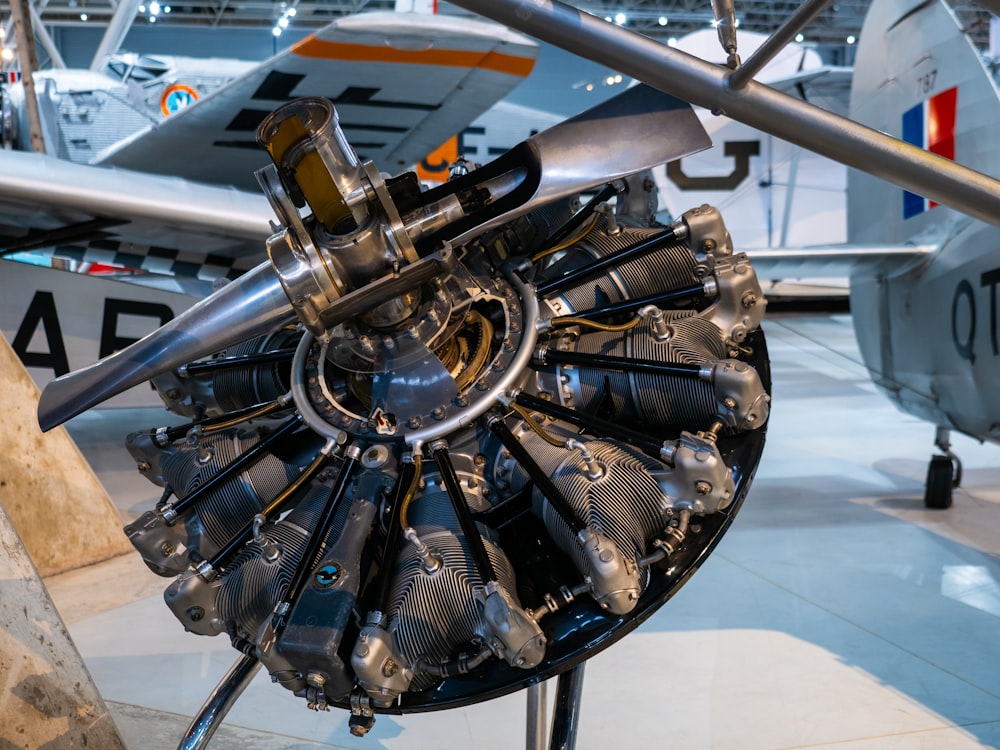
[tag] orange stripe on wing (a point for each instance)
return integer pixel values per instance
(496, 61)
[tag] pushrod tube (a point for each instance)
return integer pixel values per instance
(759, 106)
(622, 364)
(542, 480)
(245, 460)
(630, 305)
(483, 563)
(245, 360)
(600, 427)
(317, 537)
(598, 266)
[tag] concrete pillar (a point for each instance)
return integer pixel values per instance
(56, 503)
(47, 697)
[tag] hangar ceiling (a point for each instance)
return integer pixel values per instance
(658, 18)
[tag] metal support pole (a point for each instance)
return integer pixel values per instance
(776, 42)
(226, 693)
(117, 29)
(46, 40)
(536, 731)
(20, 11)
(566, 715)
(759, 106)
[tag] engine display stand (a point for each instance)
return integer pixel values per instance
(565, 713)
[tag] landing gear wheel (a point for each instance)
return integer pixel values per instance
(940, 480)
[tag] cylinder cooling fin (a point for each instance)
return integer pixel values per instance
(459, 467)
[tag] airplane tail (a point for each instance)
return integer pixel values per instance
(918, 77)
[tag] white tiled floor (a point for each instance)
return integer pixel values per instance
(836, 613)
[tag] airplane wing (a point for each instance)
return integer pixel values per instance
(159, 224)
(836, 261)
(402, 84)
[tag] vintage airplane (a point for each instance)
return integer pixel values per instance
(449, 443)
(403, 83)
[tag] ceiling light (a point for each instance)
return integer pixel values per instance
(799, 38)
(620, 19)
(851, 39)
(290, 12)
(672, 41)
(662, 20)
(7, 54)
(84, 16)
(283, 22)
(276, 31)
(154, 7)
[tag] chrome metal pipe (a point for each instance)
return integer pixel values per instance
(776, 42)
(226, 693)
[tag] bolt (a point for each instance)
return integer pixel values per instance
(195, 613)
(173, 394)
(462, 401)
(702, 487)
(438, 413)
(480, 459)
(749, 299)
(143, 466)
(167, 549)
(730, 403)
(390, 668)
(413, 422)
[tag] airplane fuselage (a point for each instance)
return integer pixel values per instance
(930, 336)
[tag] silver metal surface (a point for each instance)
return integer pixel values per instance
(219, 702)
(757, 105)
(253, 305)
(573, 156)
(750, 67)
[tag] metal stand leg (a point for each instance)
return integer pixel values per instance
(219, 702)
(536, 729)
(566, 716)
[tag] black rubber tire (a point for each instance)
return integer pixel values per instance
(940, 476)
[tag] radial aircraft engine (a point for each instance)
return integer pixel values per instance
(449, 443)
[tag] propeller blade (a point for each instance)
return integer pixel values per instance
(639, 129)
(251, 306)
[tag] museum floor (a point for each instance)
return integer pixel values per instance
(836, 613)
